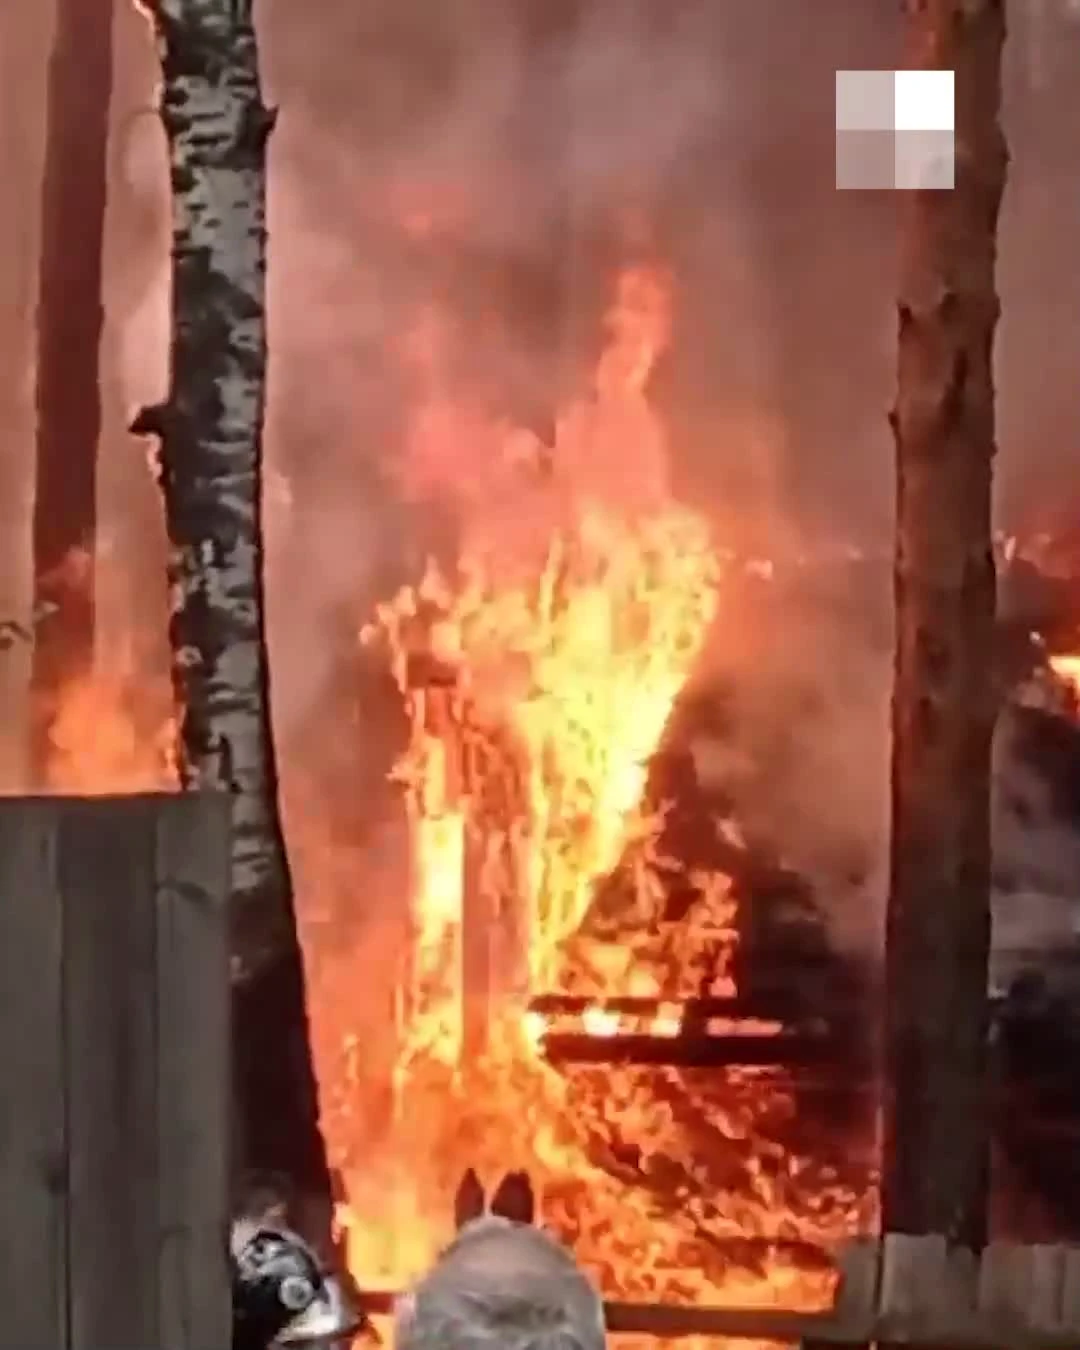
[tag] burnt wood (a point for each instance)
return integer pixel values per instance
(775, 1005)
(787, 1050)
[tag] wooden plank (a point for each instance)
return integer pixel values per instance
(477, 924)
(1003, 1283)
(788, 1049)
(998, 1295)
(859, 1265)
(107, 880)
(779, 1005)
(789, 1326)
(1022, 1285)
(33, 1255)
(928, 1289)
(1070, 1292)
(1046, 1276)
(855, 1307)
(756, 1324)
(910, 1267)
(192, 867)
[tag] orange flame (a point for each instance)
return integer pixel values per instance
(539, 674)
(539, 678)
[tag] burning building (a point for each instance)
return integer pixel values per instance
(580, 628)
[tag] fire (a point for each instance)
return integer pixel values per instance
(539, 667)
(539, 672)
(553, 688)
(112, 734)
(1066, 666)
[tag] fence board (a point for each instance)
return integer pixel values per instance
(1046, 1277)
(33, 1297)
(114, 1070)
(1070, 1289)
(107, 877)
(193, 1071)
(859, 1267)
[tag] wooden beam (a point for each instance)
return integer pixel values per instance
(789, 1050)
(779, 1006)
(107, 879)
(903, 1291)
(192, 874)
(33, 1132)
(114, 1056)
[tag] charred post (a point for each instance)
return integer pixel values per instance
(210, 466)
(944, 703)
(495, 909)
(70, 319)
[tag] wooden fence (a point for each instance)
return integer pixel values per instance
(893, 1291)
(114, 1073)
(906, 1291)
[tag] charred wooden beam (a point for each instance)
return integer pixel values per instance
(423, 670)
(779, 1006)
(70, 321)
(478, 919)
(787, 1050)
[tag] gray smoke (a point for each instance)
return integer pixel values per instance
(435, 155)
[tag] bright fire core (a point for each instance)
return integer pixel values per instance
(538, 669)
(539, 675)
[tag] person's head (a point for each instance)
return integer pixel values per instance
(501, 1285)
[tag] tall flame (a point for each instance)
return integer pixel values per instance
(539, 673)
(564, 673)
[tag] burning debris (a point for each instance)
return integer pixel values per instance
(571, 965)
(606, 961)
(601, 975)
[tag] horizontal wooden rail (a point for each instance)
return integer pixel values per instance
(902, 1290)
(786, 1049)
(776, 1006)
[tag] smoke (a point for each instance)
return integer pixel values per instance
(444, 160)
(427, 164)
(24, 37)
(1036, 853)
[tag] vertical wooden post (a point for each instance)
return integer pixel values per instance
(106, 867)
(192, 849)
(477, 931)
(34, 1133)
(69, 325)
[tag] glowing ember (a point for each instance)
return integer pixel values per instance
(112, 734)
(1066, 666)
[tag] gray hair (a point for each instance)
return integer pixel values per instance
(501, 1285)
